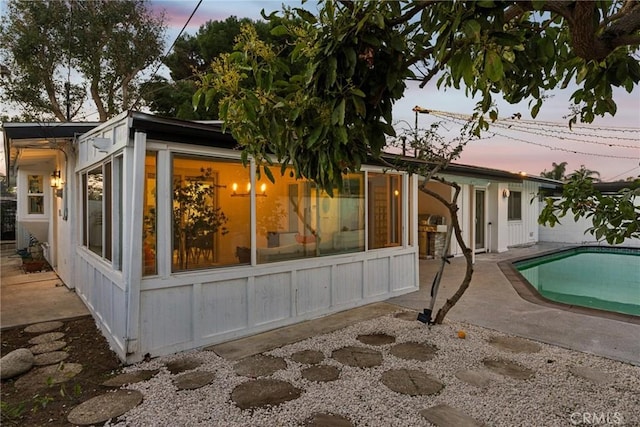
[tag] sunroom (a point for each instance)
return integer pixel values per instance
(180, 245)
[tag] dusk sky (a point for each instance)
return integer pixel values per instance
(612, 151)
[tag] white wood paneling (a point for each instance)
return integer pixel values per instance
(223, 307)
(272, 295)
(167, 320)
(313, 293)
(348, 283)
(378, 277)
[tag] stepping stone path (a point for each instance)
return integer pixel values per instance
(447, 416)
(48, 347)
(193, 380)
(263, 392)
(308, 357)
(130, 378)
(321, 373)
(50, 358)
(514, 345)
(45, 377)
(414, 351)
(328, 420)
(39, 328)
(182, 365)
(508, 369)
(259, 365)
(48, 337)
(589, 374)
(410, 316)
(376, 339)
(104, 407)
(359, 357)
(411, 382)
(474, 377)
(15, 363)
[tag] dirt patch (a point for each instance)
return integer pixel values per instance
(49, 405)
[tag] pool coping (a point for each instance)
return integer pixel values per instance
(530, 294)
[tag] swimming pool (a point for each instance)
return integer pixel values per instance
(594, 277)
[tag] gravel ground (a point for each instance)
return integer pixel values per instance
(553, 397)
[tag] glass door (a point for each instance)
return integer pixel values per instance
(480, 221)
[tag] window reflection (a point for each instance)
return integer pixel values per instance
(94, 209)
(385, 210)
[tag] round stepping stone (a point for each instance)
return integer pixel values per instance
(130, 378)
(39, 328)
(45, 377)
(514, 345)
(321, 373)
(104, 407)
(508, 369)
(359, 357)
(593, 375)
(411, 382)
(410, 316)
(328, 420)
(193, 380)
(48, 347)
(15, 363)
(376, 339)
(182, 365)
(445, 415)
(309, 357)
(263, 392)
(51, 358)
(48, 337)
(259, 365)
(475, 378)
(414, 351)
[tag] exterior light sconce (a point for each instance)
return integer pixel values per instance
(506, 193)
(234, 189)
(55, 179)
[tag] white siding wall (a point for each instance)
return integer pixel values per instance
(525, 231)
(198, 309)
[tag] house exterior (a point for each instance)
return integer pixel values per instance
(174, 244)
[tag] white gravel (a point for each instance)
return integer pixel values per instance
(553, 397)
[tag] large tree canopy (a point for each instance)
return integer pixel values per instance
(46, 45)
(190, 57)
(327, 104)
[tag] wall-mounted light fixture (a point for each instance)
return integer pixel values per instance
(55, 179)
(262, 193)
(506, 193)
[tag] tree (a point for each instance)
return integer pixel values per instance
(557, 172)
(190, 57)
(107, 43)
(327, 105)
(585, 174)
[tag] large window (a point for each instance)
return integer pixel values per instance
(515, 206)
(149, 221)
(97, 210)
(296, 220)
(385, 210)
(210, 217)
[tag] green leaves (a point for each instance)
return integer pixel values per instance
(493, 66)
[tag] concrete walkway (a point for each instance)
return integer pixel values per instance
(492, 302)
(27, 298)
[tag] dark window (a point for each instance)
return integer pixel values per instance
(515, 206)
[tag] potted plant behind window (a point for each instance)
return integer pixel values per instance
(196, 218)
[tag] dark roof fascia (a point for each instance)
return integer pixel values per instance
(614, 187)
(14, 130)
(181, 131)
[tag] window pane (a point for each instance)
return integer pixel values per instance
(385, 210)
(515, 206)
(35, 199)
(107, 212)
(119, 200)
(95, 182)
(286, 218)
(210, 221)
(149, 235)
(341, 224)
(85, 212)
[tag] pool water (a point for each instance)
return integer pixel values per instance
(601, 278)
